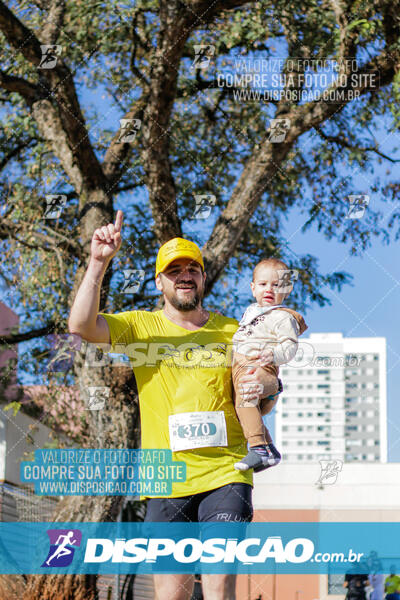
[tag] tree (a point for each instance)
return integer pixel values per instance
(107, 106)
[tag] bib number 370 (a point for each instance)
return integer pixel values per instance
(197, 430)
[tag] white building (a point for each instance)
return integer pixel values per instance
(358, 493)
(334, 401)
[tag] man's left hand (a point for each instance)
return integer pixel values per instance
(252, 388)
(266, 357)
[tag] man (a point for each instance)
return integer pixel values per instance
(184, 385)
(355, 583)
(392, 585)
(375, 576)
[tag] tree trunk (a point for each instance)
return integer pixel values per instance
(115, 426)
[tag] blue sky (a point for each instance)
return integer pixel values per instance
(367, 308)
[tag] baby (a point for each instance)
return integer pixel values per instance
(266, 338)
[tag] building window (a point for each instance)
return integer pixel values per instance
(335, 583)
(351, 360)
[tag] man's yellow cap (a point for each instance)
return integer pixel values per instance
(177, 248)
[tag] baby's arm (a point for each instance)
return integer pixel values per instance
(285, 348)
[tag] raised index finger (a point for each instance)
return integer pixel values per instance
(118, 221)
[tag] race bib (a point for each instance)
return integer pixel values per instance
(197, 430)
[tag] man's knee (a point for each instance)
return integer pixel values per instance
(219, 587)
(173, 587)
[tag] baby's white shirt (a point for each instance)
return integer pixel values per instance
(264, 327)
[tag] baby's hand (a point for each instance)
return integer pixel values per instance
(266, 357)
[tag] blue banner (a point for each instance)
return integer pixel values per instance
(73, 548)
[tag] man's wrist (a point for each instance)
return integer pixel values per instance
(97, 268)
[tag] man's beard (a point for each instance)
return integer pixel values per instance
(186, 305)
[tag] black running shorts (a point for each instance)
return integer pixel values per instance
(229, 503)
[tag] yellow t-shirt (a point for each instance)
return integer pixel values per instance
(181, 371)
(393, 584)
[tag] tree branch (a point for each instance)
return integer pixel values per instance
(16, 338)
(193, 87)
(15, 151)
(19, 36)
(10, 229)
(117, 155)
(6, 279)
(205, 11)
(21, 86)
(54, 20)
(344, 143)
(64, 242)
(347, 46)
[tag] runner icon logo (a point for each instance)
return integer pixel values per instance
(62, 542)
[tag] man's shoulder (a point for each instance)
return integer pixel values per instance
(132, 318)
(141, 314)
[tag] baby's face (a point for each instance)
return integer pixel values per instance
(267, 286)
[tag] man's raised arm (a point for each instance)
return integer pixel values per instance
(84, 319)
